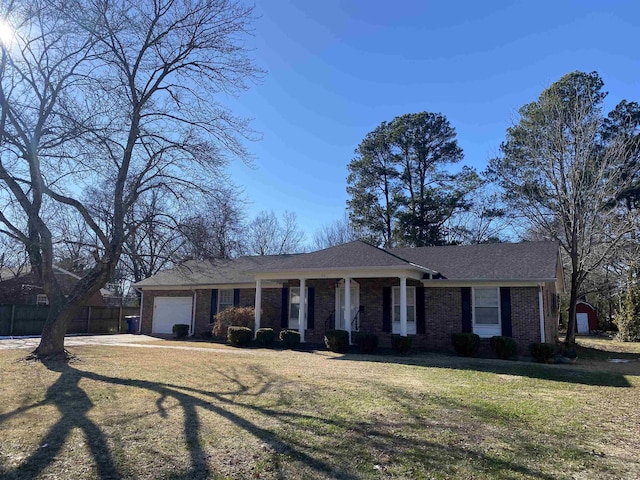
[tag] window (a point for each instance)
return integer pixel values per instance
(486, 312)
(411, 310)
(225, 299)
(42, 299)
(294, 306)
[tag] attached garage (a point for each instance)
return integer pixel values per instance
(168, 311)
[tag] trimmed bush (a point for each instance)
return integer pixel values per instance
(543, 352)
(465, 344)
(504, 347)
(401, 345)
(239, 336)
(265, 336)
(367, 342)
(290, 338)
(337, 340)
(233, 317)
(180, 330)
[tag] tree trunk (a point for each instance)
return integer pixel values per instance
(570, 339)
(60, 315)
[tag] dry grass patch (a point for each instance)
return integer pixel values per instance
(143, 413)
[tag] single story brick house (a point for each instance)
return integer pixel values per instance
(430, 292)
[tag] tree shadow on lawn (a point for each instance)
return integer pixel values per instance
(336, 447)
(556, 373)
(74, 405)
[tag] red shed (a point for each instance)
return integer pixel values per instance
(587, 317)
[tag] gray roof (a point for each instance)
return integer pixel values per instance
(209, 272)
(356, 254)
(528, 261)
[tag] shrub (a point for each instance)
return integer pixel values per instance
(239, 336)
(233, 317)
(290, 338)
(205, 334)
(401, 345)
(466, 344)
(265, 336)
(180, 330)
(504, 347)
(337, 340)
(367, 342)
(543, 352)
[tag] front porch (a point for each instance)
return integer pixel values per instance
(381, 305)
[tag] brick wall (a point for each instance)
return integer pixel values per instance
(525, 317)
(443, 311)
(147, 305)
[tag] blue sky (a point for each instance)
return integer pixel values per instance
(337, 69)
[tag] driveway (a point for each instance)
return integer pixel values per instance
(12, 343)
(118, 340)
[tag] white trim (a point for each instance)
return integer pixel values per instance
(540, 306)
(258, 305)
(320, 273)
(302, 310)
(483, 330)
(347, 305)
(481, 283)
(397, 322)
(218, 297)
(339, 298)
(209, 286)
(289, 318)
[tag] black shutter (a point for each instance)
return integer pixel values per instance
(505, 311)
(284, 308)
(420, 314)
(467, 327)
(311, 307)
(236, 297)
(214, 303)
(386, 309)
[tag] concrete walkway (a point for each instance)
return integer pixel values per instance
(11, 343)
(118, 340)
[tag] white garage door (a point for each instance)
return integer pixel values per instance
(167, 311)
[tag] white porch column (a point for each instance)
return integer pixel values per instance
(258, 304)
(403, 306)
(302, 320)
(347, 306)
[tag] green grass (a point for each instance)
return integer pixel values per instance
(256, 413)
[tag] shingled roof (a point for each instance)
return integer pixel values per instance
(528, 261)
(356, 254)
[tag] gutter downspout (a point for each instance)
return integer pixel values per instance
(540, 306)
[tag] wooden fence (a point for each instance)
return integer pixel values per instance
(17, 320)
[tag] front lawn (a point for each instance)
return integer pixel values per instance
(150, 413)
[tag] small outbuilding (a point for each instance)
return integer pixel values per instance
(586, 317)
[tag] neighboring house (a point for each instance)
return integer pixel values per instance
(491, 289)
(26, 289)
(586, 317)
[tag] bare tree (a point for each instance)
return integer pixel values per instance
(565, 178)
(215, 229)
(123, 94)
(336, 233)
(485, 221)
(266, 235)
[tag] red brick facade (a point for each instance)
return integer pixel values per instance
(443, 310)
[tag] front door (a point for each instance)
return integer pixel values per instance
(341, 318)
